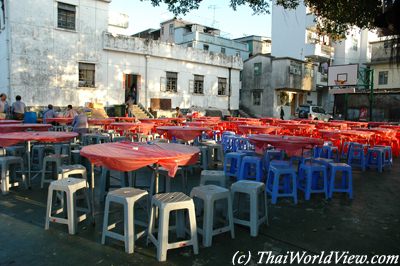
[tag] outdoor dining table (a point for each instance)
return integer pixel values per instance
(10, 139)
(155, 121)
(293, 145)
(208, 118)
(210, 124)
(301, 129)
(7, 128)
(341, 136)
(100, 121)
(60, 120)
(273, 121)
(130, 156)
(255, 129)
(9, 122)
(123, 118)
(144, 128)
(184, 133)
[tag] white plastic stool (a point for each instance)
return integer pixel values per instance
(254, 190)
(165, 203)
(58, 159)
(127, 197)
(70, 186)
(213, 176)
(5, 163)
(209, 194)
(65, 171)
(164, 172)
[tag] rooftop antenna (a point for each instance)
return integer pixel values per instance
(213, 7)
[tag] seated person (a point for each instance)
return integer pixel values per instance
(178, 113)
(80, 123)
(71, 113)
(49, 113)
(18, 108)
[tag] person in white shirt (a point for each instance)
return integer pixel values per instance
(18, 108)
(4, 107)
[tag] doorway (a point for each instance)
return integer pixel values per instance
(132, 87)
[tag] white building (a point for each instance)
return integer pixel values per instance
(66, 55)
(201, 37)
(294, 34)
(257, 44)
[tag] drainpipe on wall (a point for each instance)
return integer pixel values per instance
(229, 89)
(146, 80)
(8, 40)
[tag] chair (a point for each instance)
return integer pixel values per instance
(165, 203)
(258, 198)
(128, 198)
(210, 194)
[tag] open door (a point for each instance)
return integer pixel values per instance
(132, 86)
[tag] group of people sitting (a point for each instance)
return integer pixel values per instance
(15, 111)
(80, 120)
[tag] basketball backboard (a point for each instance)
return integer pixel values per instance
(343, 75)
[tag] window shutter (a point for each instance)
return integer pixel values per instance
(191, 86)
(163, 84)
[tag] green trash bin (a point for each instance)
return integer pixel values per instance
(119, 110)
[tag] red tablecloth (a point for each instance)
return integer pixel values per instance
(340, 136)
(208, 118)
(60, 120)
(183, 133)
(293, 145)
(24, 127)
(297, 129)
(10, 139)
(144, 128)
(130, 156)
(210, 124)
(100, 121)
(123, 118)
(254, 129)
(9, 122)
(270, 120)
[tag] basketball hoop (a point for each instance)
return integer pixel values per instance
(340, 82)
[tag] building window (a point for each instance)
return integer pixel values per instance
(237, 53)
(66, 16)
(86, 75)
(257, 98)
(240, 75)
(198, 84)
(162, 30)
(222, 86)
(223, 50)
(206, 47)
(172, 81)
(171, 29)
(190, 45)
(257, 69)
(383, 77)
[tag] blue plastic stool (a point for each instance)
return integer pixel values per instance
(356, 156)
(313, 178)
(232, 163)
(329, 152)
(251, 168)
(375, 158)
(323, 161)
(387, 155)
(345, 150)
(270, 155)
(280, 179)
(346, 182)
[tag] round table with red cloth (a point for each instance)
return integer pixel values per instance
(352, 124)
(254, 129)
(210, 124)
(9, 122)
(331, 125)
(100, 121)
(10, 139)
(293, 145)
(123, 118)
(182, 132)
(340, 136)
(60, 120)
(297, 129)
(155, 121)
(130, 156)
(7, 128)
(144, 128)
(208, 118)
(270, 120)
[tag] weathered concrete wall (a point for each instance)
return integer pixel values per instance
(45, 60)
(262, 82)
(3, 56)
(44, 68)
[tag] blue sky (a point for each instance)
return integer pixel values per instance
(233, 24)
